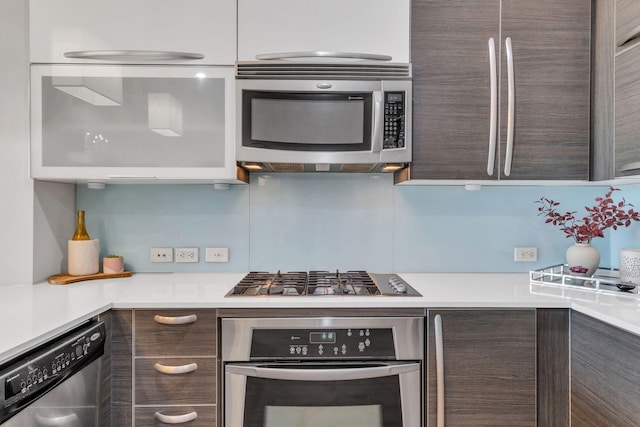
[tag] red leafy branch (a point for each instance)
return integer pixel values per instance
(605, 214)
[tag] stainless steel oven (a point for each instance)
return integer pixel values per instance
(312, 372)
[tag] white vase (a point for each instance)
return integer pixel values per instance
(583, 255)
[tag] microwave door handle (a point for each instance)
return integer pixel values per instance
(376, 143)
(336, 374)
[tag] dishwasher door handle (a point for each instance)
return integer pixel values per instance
(311, 374)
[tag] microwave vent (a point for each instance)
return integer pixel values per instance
(287, 167)
(364, 70)
(357, 168)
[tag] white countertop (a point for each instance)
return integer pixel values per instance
(33, 313)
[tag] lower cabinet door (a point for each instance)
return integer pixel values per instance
(488, 368)
(162, 416)
(605, 373)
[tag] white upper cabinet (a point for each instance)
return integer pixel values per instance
(380, 27)
(120, 124)
(139, 31)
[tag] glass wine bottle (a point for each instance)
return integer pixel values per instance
(81, 228)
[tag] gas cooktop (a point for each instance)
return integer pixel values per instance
(320, 283)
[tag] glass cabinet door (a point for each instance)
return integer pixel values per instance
(132, 123)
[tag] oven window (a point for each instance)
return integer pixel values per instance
(307, 121)
(372, 402)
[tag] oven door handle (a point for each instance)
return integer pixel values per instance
(336, 374)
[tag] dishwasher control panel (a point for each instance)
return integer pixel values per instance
(34, 373)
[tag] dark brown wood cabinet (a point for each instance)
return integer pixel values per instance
(452, 86)
(605, 374)
(489, 359)
(175, 363)
(163, 361)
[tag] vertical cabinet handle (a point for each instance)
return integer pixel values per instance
(176, 370)
(511, 112)
(177, 320)
(493, 114)
(176, 419)
(437, 327)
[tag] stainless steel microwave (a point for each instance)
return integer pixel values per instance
(323, 117)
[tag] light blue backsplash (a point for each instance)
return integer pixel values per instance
(340, 221)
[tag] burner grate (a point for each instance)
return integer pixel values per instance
(355, 282)
(264, 283)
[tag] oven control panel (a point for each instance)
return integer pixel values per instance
(343, 343)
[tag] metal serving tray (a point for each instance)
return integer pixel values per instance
(604, 280)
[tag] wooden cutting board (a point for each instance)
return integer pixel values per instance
(65, 279)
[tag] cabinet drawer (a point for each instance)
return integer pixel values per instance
(156, 388)
(206, 415)
(196, 338)
(627, 22)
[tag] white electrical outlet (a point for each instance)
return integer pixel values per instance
(525, 254)
(186, 254)
(216, 255)
(161, 254)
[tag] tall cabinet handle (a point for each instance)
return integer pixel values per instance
(133, 55)
(177, 320)
(511, 111)
(437, 328)
(493, 115)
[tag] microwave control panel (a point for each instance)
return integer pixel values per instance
(394, 120)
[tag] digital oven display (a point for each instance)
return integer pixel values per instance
(322, 337)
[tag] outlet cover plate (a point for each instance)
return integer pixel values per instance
(525, 254)
(186, 255)
(216, 255)
(161, 254)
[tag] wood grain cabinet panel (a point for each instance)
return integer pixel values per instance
(627, 22)
(155, 388)
(452, 88)
(177, 340)
(489, 368)
(627, 111)
(605, 374)
(121, 332)
(190, 339)
(206, 415)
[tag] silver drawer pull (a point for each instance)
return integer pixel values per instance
(176, 419)
(175, 370)
(177, 320)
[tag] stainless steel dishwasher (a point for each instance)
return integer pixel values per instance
(56, 384)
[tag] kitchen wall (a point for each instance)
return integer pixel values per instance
(346, 221)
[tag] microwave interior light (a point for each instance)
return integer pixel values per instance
(392, 167)
(253, 166)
